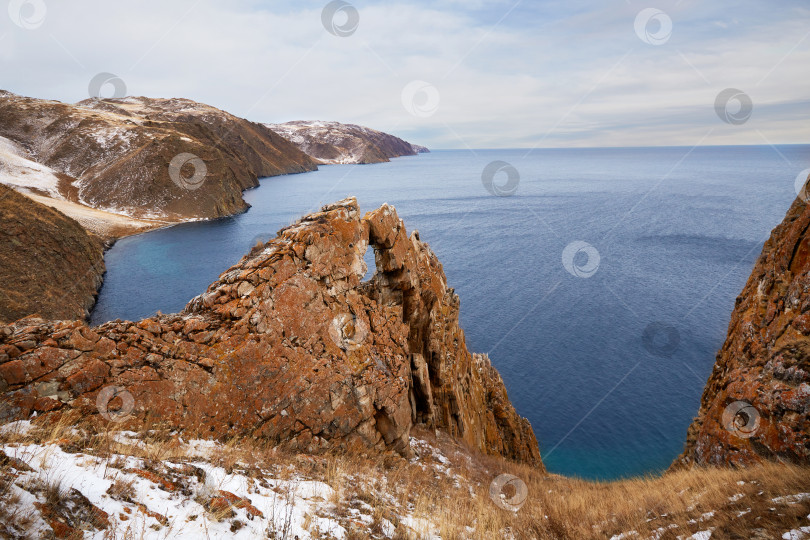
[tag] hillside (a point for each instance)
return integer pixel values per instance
(50, 265)
(103, 483)
(336, 143)
(117, 167)
(292, 399)
(155, 159)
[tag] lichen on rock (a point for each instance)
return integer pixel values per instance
(756, 404)
(289, 345)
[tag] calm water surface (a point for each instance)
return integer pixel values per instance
(676, 234)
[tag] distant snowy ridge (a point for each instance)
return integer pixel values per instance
(335, 143)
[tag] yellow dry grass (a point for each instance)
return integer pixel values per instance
(452, 495)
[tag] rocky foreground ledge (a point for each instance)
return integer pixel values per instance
(289, 345)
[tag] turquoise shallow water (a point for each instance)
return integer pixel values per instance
(675, 233)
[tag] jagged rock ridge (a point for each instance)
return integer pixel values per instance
(756, 404)
(336, 143)
(114, 154)
(289, 345)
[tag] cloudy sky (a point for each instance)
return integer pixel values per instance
(445, 73)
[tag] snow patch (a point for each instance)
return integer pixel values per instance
(792, 499)
(274, 504)
(19, 171)
(797, 534)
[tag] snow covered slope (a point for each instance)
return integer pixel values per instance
(23, 174)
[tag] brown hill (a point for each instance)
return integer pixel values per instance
(117, 154)
(49, 264)
(336, 143)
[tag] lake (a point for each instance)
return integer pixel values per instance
(601, 289)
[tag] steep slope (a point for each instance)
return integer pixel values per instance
(288, 346)
(49, 265)
(138, 156)
(756, 404)
(45, 186)
(18, 170)
(336, 143)
(155, 485)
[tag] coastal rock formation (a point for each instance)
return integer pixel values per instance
(50, 264)
(336, 143)
(756, 404)
(115, 154)
(289, 345)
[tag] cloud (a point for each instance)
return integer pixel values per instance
(509, 74)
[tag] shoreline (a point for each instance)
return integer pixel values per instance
(110, 241)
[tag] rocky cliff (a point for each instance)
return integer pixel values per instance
(336, 143)
(169, 159)
(288, 345)
(756, 404)
(49, 264)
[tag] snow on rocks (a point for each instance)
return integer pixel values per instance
(209, 503)
(125, 496)
(424, 528)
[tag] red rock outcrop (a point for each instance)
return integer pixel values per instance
(289, 345)
(756, 404)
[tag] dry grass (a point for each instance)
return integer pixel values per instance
(740, 501)
(452, 497)
(122, 490)
(659, 507)
(69, 261)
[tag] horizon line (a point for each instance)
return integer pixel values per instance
(530, 149)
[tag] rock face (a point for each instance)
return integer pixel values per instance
(288, 345)
(756, 404)
(115, 154)
(48, 263)
(336, 143)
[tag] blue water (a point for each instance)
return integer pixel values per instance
(677, 232)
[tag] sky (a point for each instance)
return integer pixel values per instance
(444, 73)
